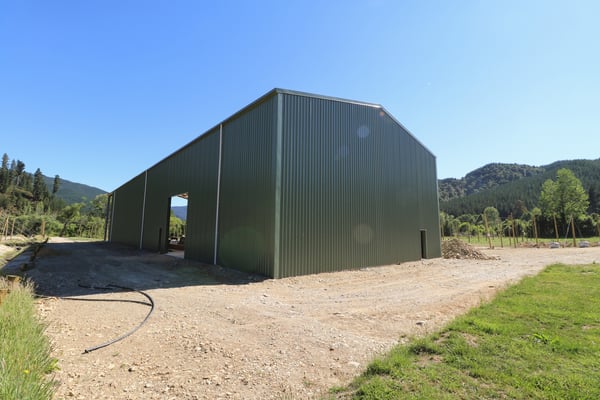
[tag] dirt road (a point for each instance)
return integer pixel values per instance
(217, 334)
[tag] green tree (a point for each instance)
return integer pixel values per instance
(454, 224)
(565, 197)
(4, 174)
(443, 220)
(97, 207)
(18, 171)
(176, 226)
(509, 228)
(56, 185)
(596, 221)
(466, 228)
(492, 216)
(27, 182)
(594, 198)
(491, 219)
(572, 199)
(68, 214)
(40, 191)
(548, 202)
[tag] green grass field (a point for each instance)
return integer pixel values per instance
(507, 242)
(25, 362)
(539, 339)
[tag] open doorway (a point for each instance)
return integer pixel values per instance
(177, 224)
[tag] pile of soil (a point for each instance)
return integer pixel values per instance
(456, 248)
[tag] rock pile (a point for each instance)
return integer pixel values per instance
(456, 248)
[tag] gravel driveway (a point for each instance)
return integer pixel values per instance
(221, 334)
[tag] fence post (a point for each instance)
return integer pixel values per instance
(6, 226)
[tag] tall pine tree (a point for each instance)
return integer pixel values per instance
(40, 191)
(56, 185)
(4, 174)
(18, 169)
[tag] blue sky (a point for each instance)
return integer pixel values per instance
(98, 91)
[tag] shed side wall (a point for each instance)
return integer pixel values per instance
(128, 202)
(429, 203)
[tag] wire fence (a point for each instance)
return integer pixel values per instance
(13, 227)
(25, 226)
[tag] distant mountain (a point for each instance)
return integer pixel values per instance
(180, 212)
(487, 177)
(509, 187)
(72, 192)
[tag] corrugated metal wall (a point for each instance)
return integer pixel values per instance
(429, 201)
(126, 219)
(192, 170)
(351, 188)
(246, 216)
(307, 184)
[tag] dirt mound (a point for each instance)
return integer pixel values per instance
(456, 248)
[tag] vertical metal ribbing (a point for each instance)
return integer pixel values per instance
(218, 193)
(143, 209)
(278, 172)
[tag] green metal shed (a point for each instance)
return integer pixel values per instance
(292, 184)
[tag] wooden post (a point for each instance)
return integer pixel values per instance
(573, 229)
(487, 230)
(509, 235)
(514, 231)
(6, 227)
(43, 227)
(501, 234)
(535, 230)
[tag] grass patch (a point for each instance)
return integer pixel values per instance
(25, 362)
(539, 339)
(505, 242)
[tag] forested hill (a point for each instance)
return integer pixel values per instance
(72, 192)
(509, 187)
(487, 177)
(21, 190)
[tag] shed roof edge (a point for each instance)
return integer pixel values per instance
(262, 99)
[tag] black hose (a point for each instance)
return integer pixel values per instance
(144, 303)
(131, 332)
(109, 287)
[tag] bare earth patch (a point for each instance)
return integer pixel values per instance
(235, 336)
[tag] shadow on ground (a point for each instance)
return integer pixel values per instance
(76, 268)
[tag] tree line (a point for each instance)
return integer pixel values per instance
(508, 187)
(29, 207)
(563, 209)
(19, 188)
